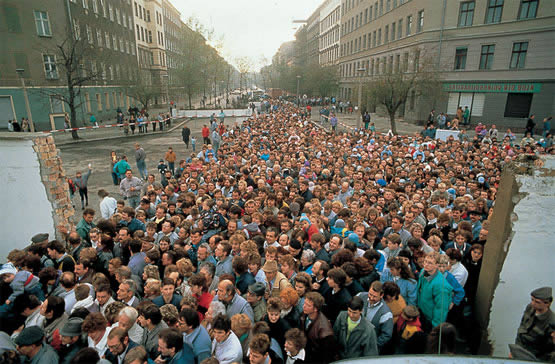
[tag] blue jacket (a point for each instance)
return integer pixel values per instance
(407, 286)
(201, 343)
(458, 290)
(176, 300)
(184, 356)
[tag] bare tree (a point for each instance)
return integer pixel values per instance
(392, 88)
(244, 66)
(144, 91)
(71, 54)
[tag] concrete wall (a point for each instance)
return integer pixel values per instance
(518, 254)
(35, 192)
(27, 210)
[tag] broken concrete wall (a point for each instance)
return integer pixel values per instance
(35, 190)
(518, 255)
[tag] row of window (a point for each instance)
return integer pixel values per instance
(386, 5)
(494, 11)
(380, 65)
(108, 11)
(330, 20)
(518, 56)
(117, 100)
(329, 38)
(370, 13)
(142, 13)
(329, 56)
(391, 32)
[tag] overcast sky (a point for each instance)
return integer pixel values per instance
(253, 28)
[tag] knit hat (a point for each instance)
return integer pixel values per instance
(72, 327)
(339, 223)
(29, 336)
(543, 293)
(8, 268)
(39, 238)
(304, 218)
(257, 288)
(411, 312)
(353, 238)
(270, 266)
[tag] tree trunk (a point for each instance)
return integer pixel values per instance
(190, 104)
(393, 123)
(72, 111)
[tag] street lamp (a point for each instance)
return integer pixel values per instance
(20, 72)
(359, 118)
(298, 99)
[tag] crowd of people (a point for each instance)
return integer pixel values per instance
(286, 244)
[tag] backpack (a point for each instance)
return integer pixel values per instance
(71, 185)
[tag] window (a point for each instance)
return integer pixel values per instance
(121, 46)
(379, 36)
(393, 31)
(420, 24)
(518, 57)
(486, 56)
(417, 61)
(103, 5)
(518, 105)
(528, 9)
(42, 23)
(388, 5)
(95, 6)
(405, 62)
(381, 7)
(76, 30)
(111, 12)
(460, 58)
(50, 68)
(494, 11)
(107, 98)
(107, 39)
(148, 16)
(89, 33)
(150, 36)
(88, 102)
(136, 10)
(85, 4)
(114, 42)
(98, 102)
(117, 16)
(386, 34)
(397, 63)
(466, 14)
(374, 39)
(99, 37)
(409, 25)
(400, 28)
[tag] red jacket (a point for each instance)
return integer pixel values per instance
(205, 132)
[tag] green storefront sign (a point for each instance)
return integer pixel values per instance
(493, 87)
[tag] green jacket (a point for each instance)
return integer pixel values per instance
(434, 297)
(362, 341)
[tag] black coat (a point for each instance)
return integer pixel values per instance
(335, 303)
(185, 134)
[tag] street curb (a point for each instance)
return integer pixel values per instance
(166, 131)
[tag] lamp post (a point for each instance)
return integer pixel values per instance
(359, 118)
(298, 98)
(167, 78)
(26, 97)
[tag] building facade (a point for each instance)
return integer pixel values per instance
(329, 33)
(493, 56)
(102, 34)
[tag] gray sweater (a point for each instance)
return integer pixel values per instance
(140, 155)
(18, 284)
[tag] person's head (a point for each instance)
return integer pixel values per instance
(393, 241)
(71, 331)
(149, 316)
(313, 303)
(259, 348)
(375, 293)
(128, 174)
(52, 308)
(214, 309)
(127, 289)
(118, 340)
(127, 317)
(103, 293)
(29, 341)
(221, 327)
(88, 215)
(273, 308)
(476, 252)
(188, 320)
(226, 291)
(170, 342)
(442, 339)
(541, 299)
(354, 310)
(336, 278)
(255, 292)
(295, 341)
(94, 326)
(431, 262)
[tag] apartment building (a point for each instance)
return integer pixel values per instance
(29, 38)
(494, 56)
(330, 20)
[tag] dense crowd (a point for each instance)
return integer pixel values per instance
(286, 244)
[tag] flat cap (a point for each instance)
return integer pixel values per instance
(29, 336)
(72, 327)
(542, 293)
(39, 238)
(270, 266)
(411, 312)
(257, 288)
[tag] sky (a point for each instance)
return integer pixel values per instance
(251, 28)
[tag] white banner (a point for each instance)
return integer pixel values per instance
(444, 134)
(208, 113)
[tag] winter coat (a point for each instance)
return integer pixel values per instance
(362, 340)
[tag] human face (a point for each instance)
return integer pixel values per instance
(116, 346)
(220, 335)
(270, 276)
(460, 240)
(270, 237)
(354, 315)
(291, 348)
(476, 254)
(252, 298)
(392, 246)
(359, 231)
(102, 297)
(394, 271)
(283, 240)
(164, 246)
(335, 243)
(168, 290)
(195, 239)
(96, 336)
(125, 322)
(128, 174)
(68, 340)
(273, 316)
(124, 292)
(166, 228)
(300, 288)
(539, 305)
(430, 265)
(164, 350)
(79, 270)
(256, 357)
(374, 297)
(308, 307)
(395, 224)
(202, 254)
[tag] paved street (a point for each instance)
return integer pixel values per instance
(76, 156)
